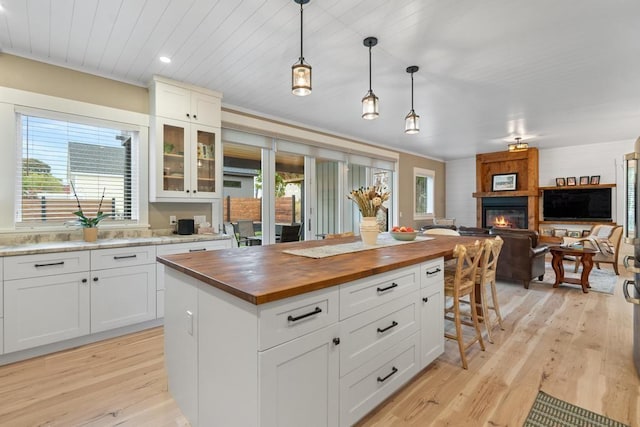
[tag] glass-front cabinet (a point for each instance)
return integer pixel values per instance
(185, 161)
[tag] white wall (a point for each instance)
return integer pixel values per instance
(604, 159)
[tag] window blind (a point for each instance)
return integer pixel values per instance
(57, 156)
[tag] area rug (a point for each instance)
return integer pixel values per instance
(547, 411)
(603, 280)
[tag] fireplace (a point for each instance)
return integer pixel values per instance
(504, 212)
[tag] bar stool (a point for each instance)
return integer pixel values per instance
(457, 285)
(486, 276)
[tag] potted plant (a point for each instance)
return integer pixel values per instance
(89, 225)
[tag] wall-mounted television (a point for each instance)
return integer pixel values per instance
(585, 204)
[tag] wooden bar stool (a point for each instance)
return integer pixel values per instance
(486, 277)
(458, 284)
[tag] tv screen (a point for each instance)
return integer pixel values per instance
(587, 204)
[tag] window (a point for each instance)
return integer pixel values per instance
(57, 155)
(423, 193)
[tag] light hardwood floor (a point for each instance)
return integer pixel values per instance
(571, 345)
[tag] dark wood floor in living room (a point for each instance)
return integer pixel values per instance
(574, 346)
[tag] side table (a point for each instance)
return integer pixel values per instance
(586, 259)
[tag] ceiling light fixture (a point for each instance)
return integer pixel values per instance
(165, 59)
(518, 145)
(370, 101)
(301, 72)
(412, 121)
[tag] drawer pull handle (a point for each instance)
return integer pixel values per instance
(125, 256)
(425, 299)
(391, 286)
(49, 264)
(392, 325)
(630, 268)
(625, 290)
(336, 341)
(436, 271)
(198, 250)
(302, 316)
(393, 371)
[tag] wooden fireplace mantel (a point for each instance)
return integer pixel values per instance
(524, 164)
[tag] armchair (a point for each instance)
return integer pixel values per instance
(603, 238)
(522, 258)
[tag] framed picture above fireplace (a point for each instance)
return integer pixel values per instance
(504, 182)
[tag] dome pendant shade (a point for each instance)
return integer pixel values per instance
(301, 72)
(370, 100)
(370, 106)
(412, 123)
(412, 120)
(301, 79)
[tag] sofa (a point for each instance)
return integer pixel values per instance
(522, 257)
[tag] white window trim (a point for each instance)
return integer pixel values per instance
(422, 173)
(14, 100)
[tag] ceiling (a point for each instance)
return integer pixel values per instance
(557, 73)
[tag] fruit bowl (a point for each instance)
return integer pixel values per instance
(404, 235)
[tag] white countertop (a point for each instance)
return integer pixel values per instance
(80, 245)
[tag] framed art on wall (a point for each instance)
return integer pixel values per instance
(584, 180)
(571, 180)
(560, 182)
(595, 180)
(504, 182)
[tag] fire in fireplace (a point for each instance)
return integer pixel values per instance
(504, 212)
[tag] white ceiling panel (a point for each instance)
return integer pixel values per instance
(556, 72)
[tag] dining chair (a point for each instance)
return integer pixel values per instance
(486, 277)
(459, 284)
(290, 233)
(230, 230)
(245, 229)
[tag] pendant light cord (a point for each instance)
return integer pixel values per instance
(369, 67)
(301, 31)
(411, 91)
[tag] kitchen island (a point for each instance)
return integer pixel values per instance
(257, 336)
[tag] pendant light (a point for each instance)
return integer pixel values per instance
(412, 121)
(370, 101)
(518, 145)
(301, 72)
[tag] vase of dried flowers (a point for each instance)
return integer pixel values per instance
(369, 200)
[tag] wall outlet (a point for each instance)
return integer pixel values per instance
(172, 220)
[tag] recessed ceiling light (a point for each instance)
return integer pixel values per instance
(165, 59)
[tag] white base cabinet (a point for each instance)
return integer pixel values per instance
(317, 359)
(43, 310)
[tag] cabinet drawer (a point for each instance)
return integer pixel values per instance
(432, 272)
(364, 294)
(122, 257)
(284, 320)
(367, 386)
(370, 333)
(183, 248)
(23, 266)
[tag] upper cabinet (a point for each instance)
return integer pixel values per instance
(186, 154)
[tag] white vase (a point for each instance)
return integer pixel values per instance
(369, 230)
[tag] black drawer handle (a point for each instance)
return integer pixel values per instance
(392, 325)
(425, 299)
(436, 271)
(197, 250)
(49, 264)
(125, 256)
(393, 371)
(302, 316)
(391, 286)
(336, 341)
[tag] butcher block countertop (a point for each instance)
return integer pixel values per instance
(261, 274)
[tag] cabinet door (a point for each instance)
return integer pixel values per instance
(205, 109)
(122, 296)
(172, 102)
(172, 158)
(432, 323)
(43, 310)
(203, 177)
(299, 382)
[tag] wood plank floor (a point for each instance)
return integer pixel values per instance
(574, 346)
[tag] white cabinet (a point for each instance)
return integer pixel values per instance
(432, 311)
(175, 100)
(181, 248)
(43, 310)
(1, 308)
(185, 149)
(299, 381)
